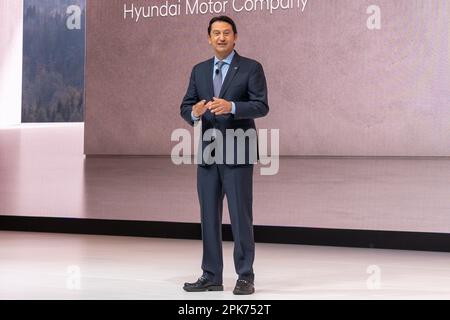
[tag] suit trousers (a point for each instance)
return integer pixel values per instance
(236, 183)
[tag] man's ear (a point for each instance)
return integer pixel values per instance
(209, 39)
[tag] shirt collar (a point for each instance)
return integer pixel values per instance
(227, 60)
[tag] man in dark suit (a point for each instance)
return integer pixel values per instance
(226, 93)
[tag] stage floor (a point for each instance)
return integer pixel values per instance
(62, 266)
(44, 173)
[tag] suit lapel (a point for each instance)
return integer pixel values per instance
(232, 70)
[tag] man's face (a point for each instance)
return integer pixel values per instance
(222, 38)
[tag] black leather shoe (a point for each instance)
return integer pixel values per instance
(202, 284)
(244, 287)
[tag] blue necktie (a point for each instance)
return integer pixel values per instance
(218, 79)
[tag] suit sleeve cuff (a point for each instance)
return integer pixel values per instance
(194, 118)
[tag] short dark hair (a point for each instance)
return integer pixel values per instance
(224, 19)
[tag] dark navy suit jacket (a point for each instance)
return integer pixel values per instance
(245, 85)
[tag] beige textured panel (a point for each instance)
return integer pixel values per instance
(11, 43)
